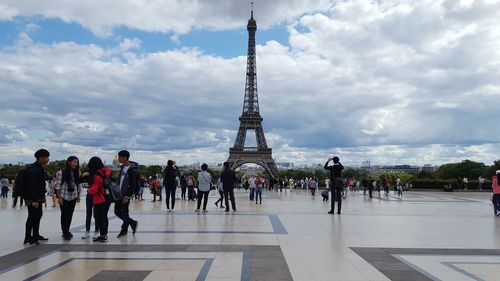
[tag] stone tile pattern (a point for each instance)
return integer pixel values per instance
(383, 259)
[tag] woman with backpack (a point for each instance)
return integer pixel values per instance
(99, 196)
(67, 189)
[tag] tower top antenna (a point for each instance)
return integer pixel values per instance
(251, 6)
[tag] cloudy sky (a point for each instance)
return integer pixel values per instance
(393, 82)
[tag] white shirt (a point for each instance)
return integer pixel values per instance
(204, 181)
(123, 173)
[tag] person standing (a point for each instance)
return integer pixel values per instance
(228, 178)
(128, 182)
(5, 186)
(480, 181)
(313, 184)
(183, 187)
(252, 189)
(387, 186)
(15, 191)
(169, 175)
(400, 189)
(337, 183)
(495, 188)
(204, 183)
(100, 202)
(154, 189)
(258, 190)
(67, 189)
(33, 191)
(191, 183)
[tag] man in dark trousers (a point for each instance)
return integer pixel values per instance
(128, 181)
(33, 192)
(336, 182)
(228, 178)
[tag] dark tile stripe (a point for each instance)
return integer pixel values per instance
(202, 276)
(383, 260)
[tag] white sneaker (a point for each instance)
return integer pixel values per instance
(87, 235)
(96, 234)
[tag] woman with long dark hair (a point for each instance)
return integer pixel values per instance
(97, 172)
(170, 173)
(67, 189)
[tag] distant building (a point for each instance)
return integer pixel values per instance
(285, 165)
(402, 169)
(429, 168)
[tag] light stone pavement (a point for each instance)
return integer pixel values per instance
(424, 236)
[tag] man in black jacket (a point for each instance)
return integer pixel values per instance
(336, 182)
(228, 178)
(128, 180)
(34, 195)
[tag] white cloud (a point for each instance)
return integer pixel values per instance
(161, 15)
(387, 81)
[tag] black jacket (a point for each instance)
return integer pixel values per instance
(131, 181)
(335, 170)
(169, 175)
(228, 178)
(35, 182)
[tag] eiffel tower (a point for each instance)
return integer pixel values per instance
(250, 118)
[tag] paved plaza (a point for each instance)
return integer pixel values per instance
(424, 236)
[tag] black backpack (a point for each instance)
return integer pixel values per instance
(111, 188)
(21, 183)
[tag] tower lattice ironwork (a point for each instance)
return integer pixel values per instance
(250, 118)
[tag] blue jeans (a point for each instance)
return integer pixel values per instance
(88, 219)
(258, 194)
(496, 203)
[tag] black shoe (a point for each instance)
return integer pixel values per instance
(122, 234)
(30, 241)
(331, 212)
(216, 204)
(101, 239)
(70, 234)
(227, 210)
(134, 226)
(41, 238)
(338, 213)
(222, 207)
(66, 237)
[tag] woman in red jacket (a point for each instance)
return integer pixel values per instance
(101, 205)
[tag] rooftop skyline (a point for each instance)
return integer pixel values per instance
(411, 82)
